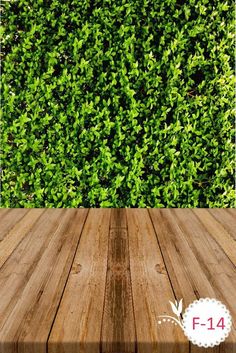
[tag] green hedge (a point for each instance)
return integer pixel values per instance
(118, 103)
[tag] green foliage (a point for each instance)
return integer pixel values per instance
(118, 103)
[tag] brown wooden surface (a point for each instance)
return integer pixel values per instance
(79, 319)
(151, 286)
(78, 280)
(118, 327)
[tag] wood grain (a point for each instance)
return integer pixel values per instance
(151, 289)
(9, 218)
(227, 218)
(214, 263)
(218, 232)
(118, 328)
(27, 325)
(188, 280)
(86, 281)
(78, 323)
(17, 233)
(18, 269)
(118, 218)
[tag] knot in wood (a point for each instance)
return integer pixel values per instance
(76, 268)
(160, 269)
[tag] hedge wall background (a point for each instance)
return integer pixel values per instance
(118, 103)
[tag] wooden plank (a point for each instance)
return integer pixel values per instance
(190, 254)
(3, 212)
(181, 262)
(118, 328)
(151, 289)
(232, 211)
(219, 270)
(218, 232)
(50, 250)
(9, 219)
(18, 269)
(17, 233)
(118, 218)
(77, 326)
(187, 277)
(215, 264)
(227, 218)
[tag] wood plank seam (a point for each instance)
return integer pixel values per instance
(78, 322)
(151, 289)
(103, 309)
(158, 242)
(189, 231)
(206, 269)
(131, 285)
(43, 281)
(115, 229)
(163, 258)
(167, 228)
(220, 221)
(59, 303)
(29, 229)
(213, 238)
(14, 224)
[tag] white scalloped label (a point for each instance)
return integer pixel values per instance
(206, 322)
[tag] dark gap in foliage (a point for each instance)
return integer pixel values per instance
(198, 76)
(180, 2)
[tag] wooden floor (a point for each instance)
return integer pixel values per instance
(96, 280)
